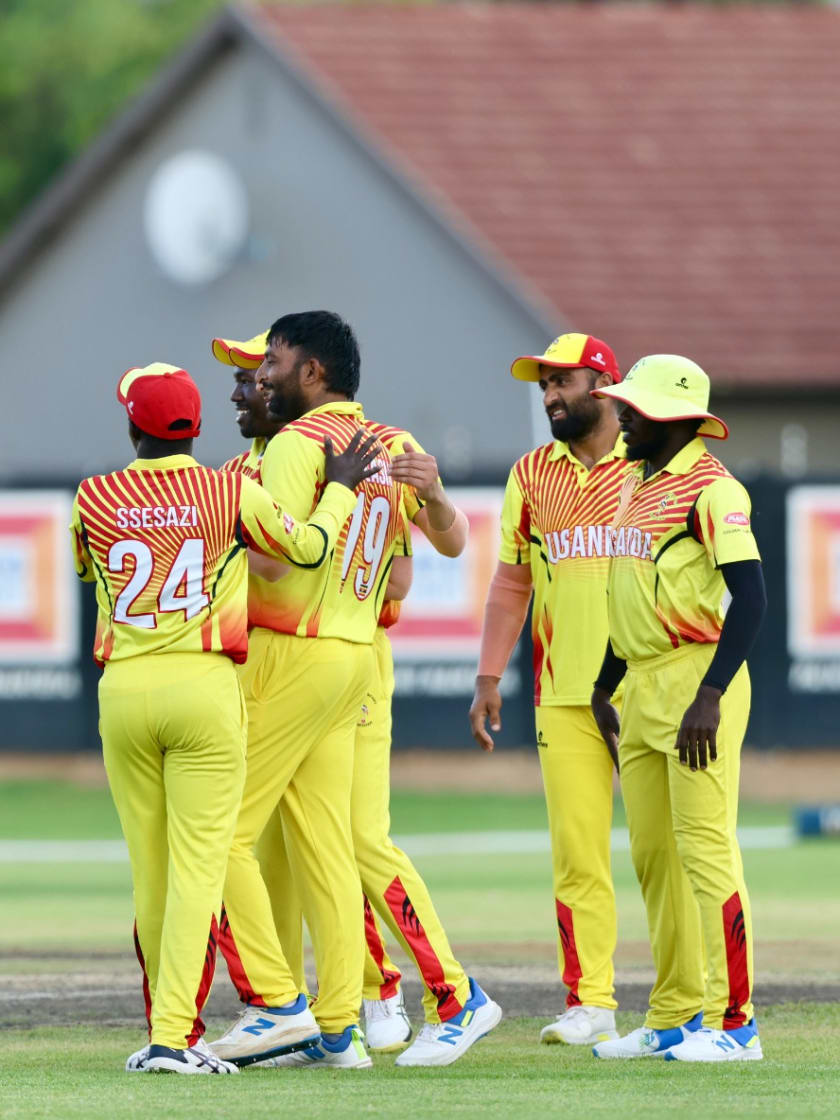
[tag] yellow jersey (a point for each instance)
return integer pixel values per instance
(671, 535)
(556, 517)
(165, 542)
(344, 598)
(248, 462)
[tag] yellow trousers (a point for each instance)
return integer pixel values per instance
(577, 775)
(173, 736)
(303, 697)
(683, 843)
(393, 887)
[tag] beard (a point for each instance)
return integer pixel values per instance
(288, 403)
(649, 449)
(581, 418)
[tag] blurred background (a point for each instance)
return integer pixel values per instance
(462, 182)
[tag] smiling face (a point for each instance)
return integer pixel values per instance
(279, 380)
(251, 410)
(571, 411)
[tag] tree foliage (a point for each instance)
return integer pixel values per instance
(68, 67)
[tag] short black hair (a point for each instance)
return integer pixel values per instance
(325, 336)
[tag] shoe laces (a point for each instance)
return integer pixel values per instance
(378, 1009)
(429, 1032)
(213, 1060)
(573, 1014)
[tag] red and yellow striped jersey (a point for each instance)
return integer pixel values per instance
(343, 599)
(556, 517)
(672, 533)
(165, 542)
(248, 462)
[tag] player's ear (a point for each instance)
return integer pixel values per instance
(312, 371)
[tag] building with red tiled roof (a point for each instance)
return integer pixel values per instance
(465, 181)
(669, 173)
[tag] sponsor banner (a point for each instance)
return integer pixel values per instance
(441, 619)
(813, 586)
(39, 596)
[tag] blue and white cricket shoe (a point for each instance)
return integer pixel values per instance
(136, 1062)
(707, 1045)
(644, 1042)
(441, 1044)
(263, 1032)
(344, 1051)
(196, 1059)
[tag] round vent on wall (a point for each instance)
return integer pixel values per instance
(195, 216)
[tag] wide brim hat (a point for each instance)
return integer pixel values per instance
(667, 387)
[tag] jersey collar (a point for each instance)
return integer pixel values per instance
(682, 463)
(338, 408)
(167, 463)
(561, 450)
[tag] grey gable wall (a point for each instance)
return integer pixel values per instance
(330, 229)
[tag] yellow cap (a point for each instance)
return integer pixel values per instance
(569, 351)
(245, 355)
(668, 387)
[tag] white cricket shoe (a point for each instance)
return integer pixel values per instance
(581, 1026)
(441, 1044)
(263, 1032)
(346, 1052)
(644, 1042)
(707, 1045)
(387, 1026)
(196, 1059)
(136, 1063)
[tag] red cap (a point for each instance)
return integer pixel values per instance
(569, 351)
(157, 396)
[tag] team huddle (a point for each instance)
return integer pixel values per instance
(245, 703)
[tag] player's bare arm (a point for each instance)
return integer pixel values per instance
(697, 736)
(604, 711)
(504, 617)
(399, 580)
(440, 520)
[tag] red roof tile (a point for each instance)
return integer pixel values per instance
(666, 178)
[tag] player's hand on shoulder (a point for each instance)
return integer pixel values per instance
(353, 465)
(607, 720)
(487, 704)
(419, 470)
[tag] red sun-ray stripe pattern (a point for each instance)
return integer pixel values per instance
(205, 983)
(376, 947)
(200, 504)
(572, 971)
(235, 967)
(561, 526)
(422, 949)
(735, 939)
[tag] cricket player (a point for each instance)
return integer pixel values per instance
(680, 539)
(384, 1006)
(311, 371)
(559, 502)
(164, 540)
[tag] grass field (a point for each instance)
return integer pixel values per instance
(67, 928)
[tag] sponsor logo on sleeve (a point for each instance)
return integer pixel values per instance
(288, 523)
(736, 518)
